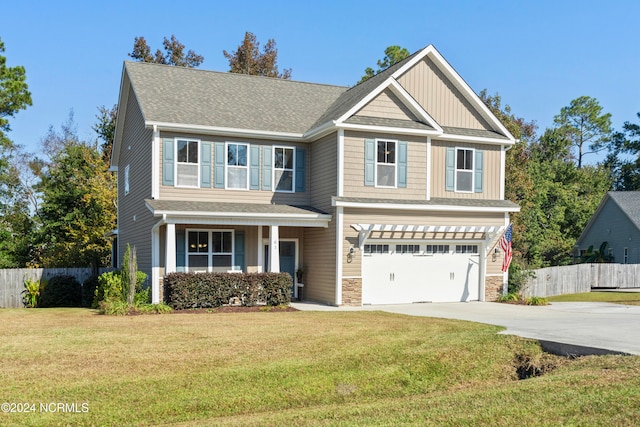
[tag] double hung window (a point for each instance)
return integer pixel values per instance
(464, 170)
(283, 167)
(237, 166)
(210, 250)
(187, 166)
(386, 163)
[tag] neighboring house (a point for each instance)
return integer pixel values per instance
(391, 191)
(617, 222)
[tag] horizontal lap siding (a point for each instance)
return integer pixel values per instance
(491, 171)
(354, 168)
(230, 195)
(386, 105)
(441, 99)
(324, 171)
(134, 219)
(320, 263)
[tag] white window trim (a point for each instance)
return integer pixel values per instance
(473, 168)
(210, 252)
(226, 165)
(273, 170)
(126, 180)
(176, 163)
(395, 164)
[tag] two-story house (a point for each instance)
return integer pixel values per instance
(391, 191)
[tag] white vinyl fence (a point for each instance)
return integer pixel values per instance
(12, 281)
(571, 279)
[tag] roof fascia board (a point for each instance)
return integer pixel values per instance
(164, 126)
(229, 221)
(413, 104)
(458, 81)
(478, 139)
(387, 129)
(399, 206)
(209, 214)
(123, 97)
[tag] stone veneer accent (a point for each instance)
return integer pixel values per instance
(352, 292)
(492, 288)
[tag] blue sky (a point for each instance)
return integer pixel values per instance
(537, 55)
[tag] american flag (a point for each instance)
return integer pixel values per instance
(505, 245)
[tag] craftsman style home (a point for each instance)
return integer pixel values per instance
(391, 191)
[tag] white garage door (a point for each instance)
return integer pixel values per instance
(407, 273)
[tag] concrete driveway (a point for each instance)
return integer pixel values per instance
(568, 328)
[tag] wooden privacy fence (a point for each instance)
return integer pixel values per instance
(571, 279)
(12, 281)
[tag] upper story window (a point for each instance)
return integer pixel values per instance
(283, 166)
(187, 165)
(237, 166)
(126, 180)
(464, 170)
(386, 163)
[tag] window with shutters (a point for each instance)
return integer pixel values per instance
(237, 166)
(209, 251)
(385, 163)
(283, 169)
(464, 170)
(187, 164)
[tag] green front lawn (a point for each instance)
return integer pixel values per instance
(296, 368)
(629, 298)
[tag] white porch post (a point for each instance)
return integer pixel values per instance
(260, 251)
(155, 265)
(274, 249)
(170, 249)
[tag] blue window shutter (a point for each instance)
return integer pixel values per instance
(167, 161)
(238, 251)
(218, 162)
(181, 259)
(267, 164)
(369, 161)
(301, 169)
(254, 170)
(205, 164)
(450, 169)
(478, 171)
(402, 164)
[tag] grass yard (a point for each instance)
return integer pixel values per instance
(296, 368)
(629, 298)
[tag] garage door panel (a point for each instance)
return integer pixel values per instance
(393, 278)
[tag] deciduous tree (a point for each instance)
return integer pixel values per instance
(174, 53)
(247, 59)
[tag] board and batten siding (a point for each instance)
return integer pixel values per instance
(234, 195)
(441, 99)
(384, 216)
(323, 174)
(134, 219)
(491, 171)
(387, 105)
(320, 263)
(354, 165)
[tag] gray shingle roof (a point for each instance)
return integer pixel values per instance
(629, 202)
(191, 207)
(385, 122)
(208, 98)
(473, 132)
(437, 201)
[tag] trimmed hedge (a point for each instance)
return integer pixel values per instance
(209, 290)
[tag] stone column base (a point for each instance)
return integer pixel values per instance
(492, 288)
(352, 292)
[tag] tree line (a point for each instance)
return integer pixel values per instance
(58, 208)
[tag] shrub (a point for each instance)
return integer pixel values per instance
(518, 276)
(113, 307)
(61, 291)
(536, 301)
(31, 293)
(109, 288)
(210, 290)
(511, 297)
(89, 290)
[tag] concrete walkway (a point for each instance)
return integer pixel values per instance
(575, 328)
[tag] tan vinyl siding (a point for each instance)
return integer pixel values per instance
(368, 216)
(323, 174)
(233, 195)
(439, 97)
(491, 171)
(320, 263)
(354, 167)
(134, 219)
(386, 105)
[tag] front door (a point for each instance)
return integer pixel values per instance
(287, 260)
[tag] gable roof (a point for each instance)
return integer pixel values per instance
(627, 201)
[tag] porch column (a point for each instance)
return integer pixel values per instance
(260, 251)
(170, 249)
(274, 249)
